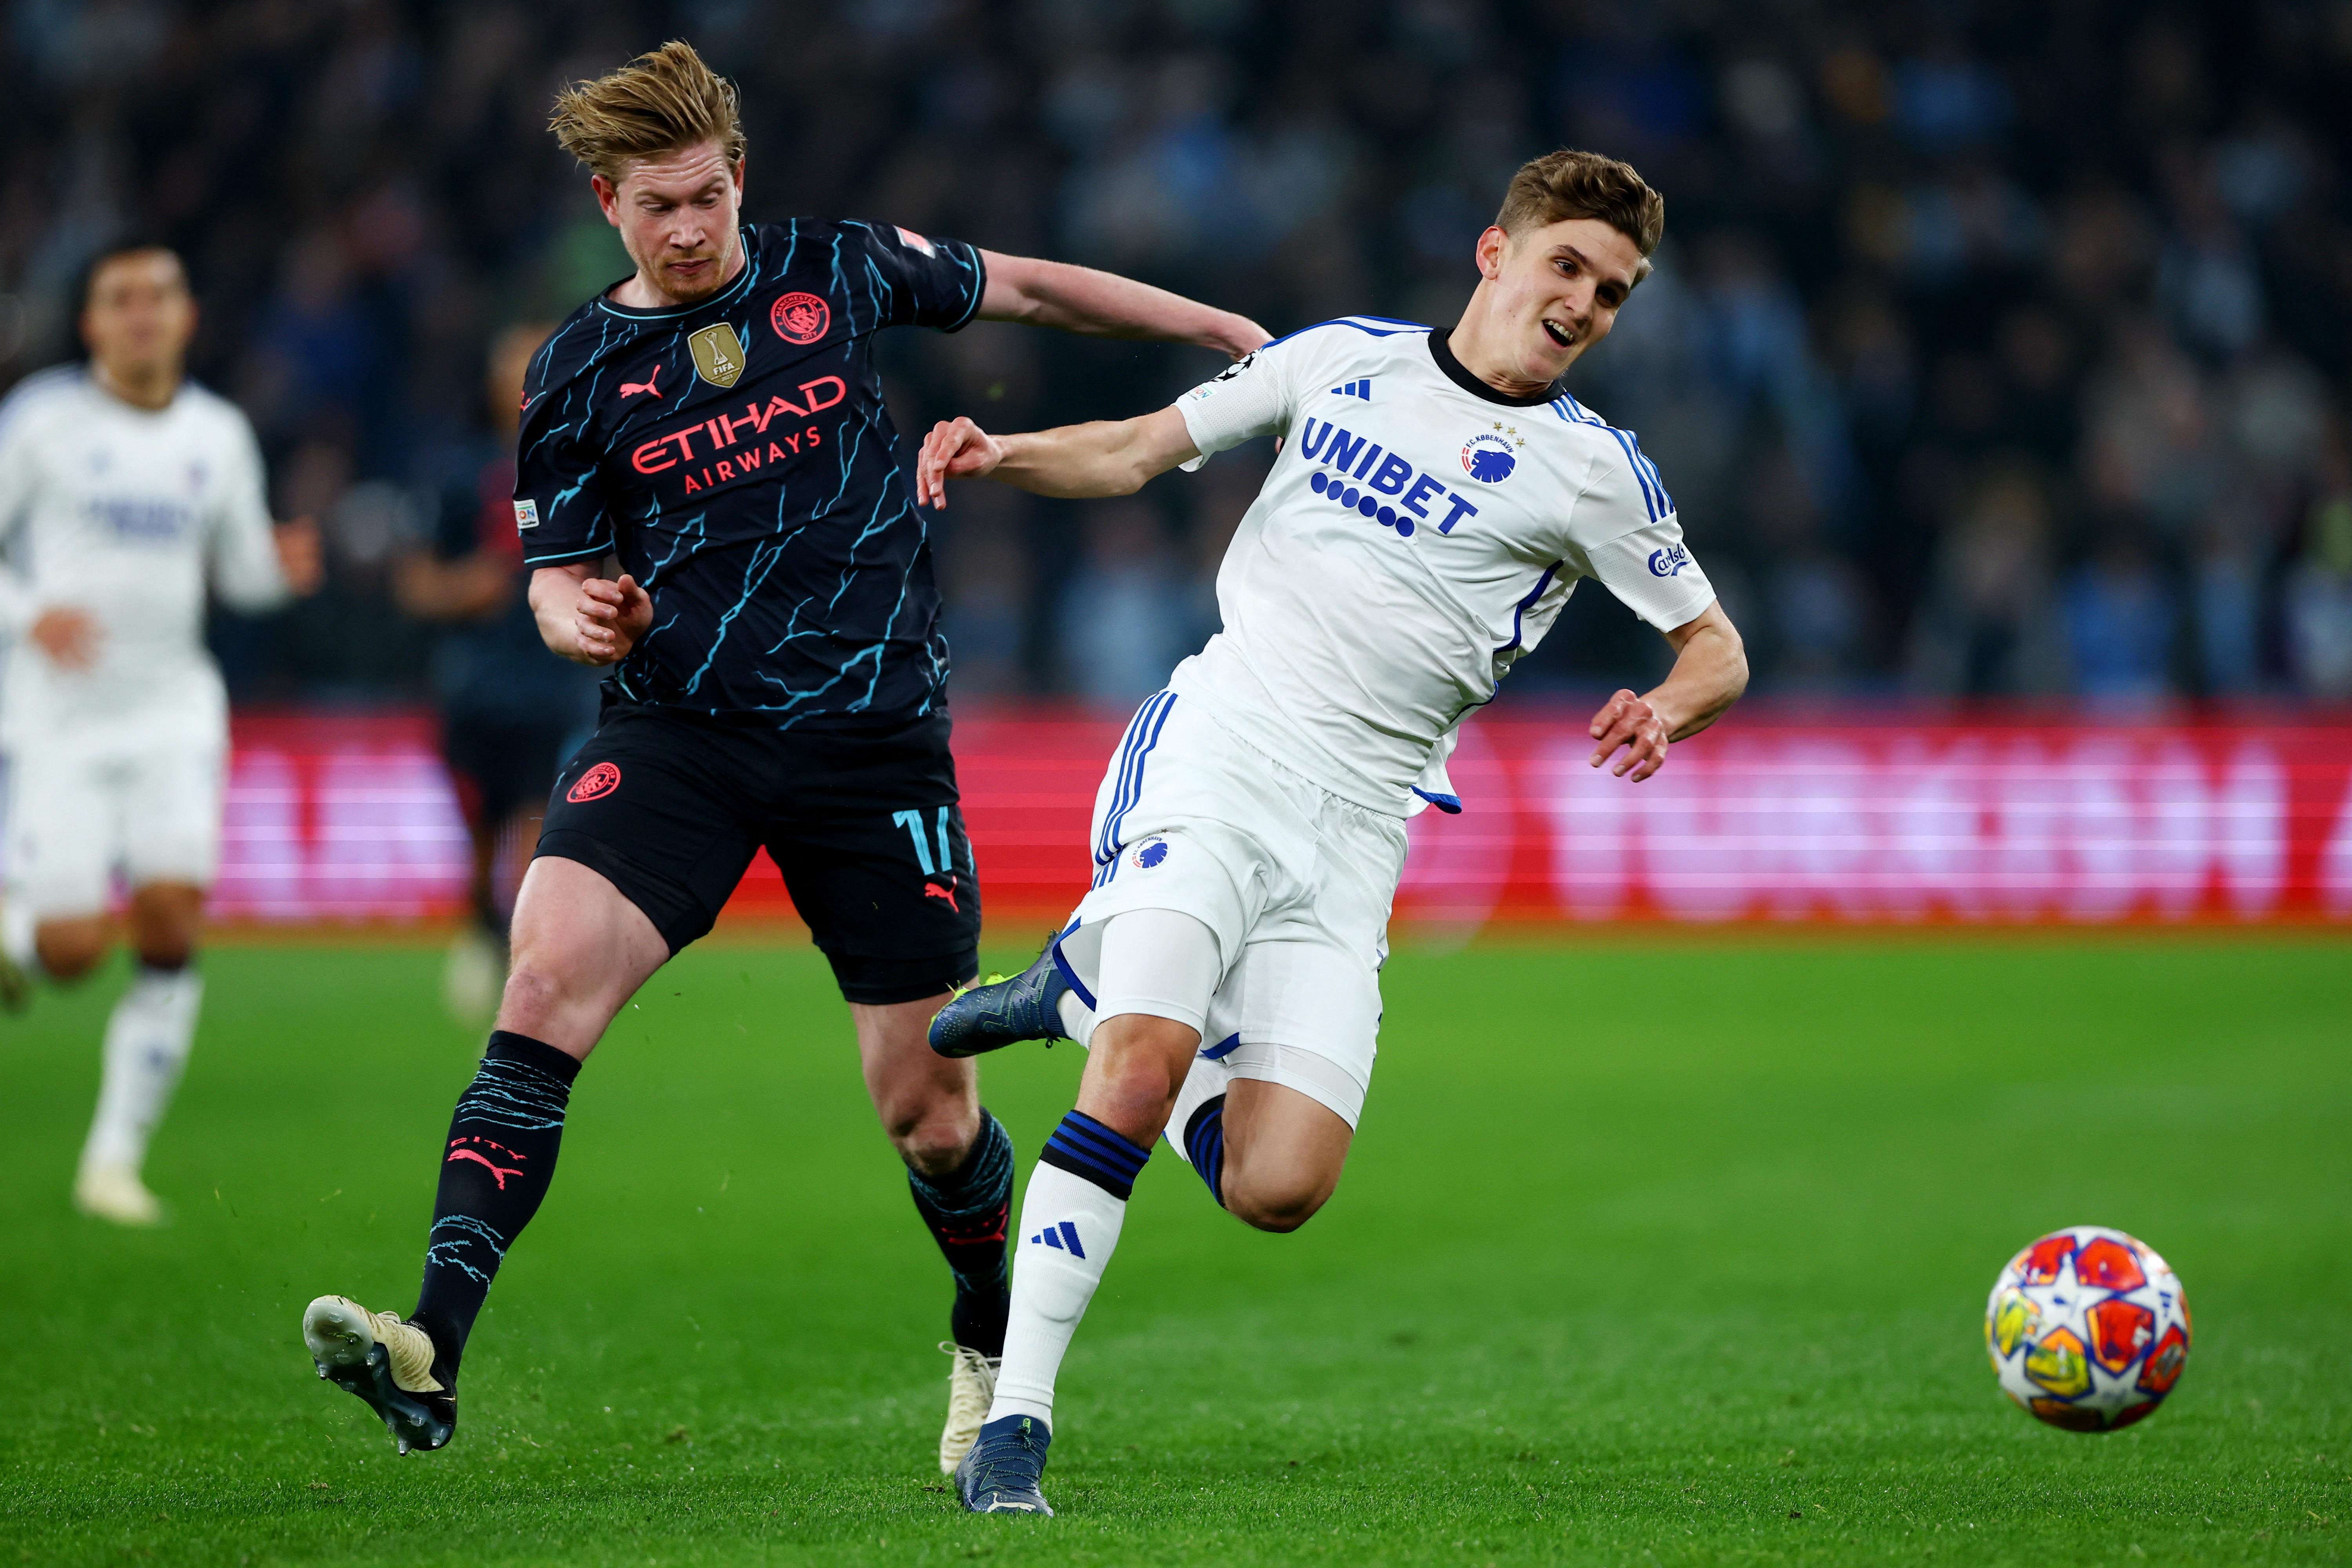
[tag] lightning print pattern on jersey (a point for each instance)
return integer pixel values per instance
(771, 518)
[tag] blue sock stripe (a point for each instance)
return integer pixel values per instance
(1130, 1156)
(1108, 1147)
(1113, 1166)
(1082, 1138)
(1205, 1145)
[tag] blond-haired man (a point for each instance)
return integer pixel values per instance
(1436, 498)
(717, 509)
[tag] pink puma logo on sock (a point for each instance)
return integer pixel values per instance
(500, 1172)
(631, 388)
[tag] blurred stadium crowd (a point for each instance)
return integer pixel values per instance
(1996, 349)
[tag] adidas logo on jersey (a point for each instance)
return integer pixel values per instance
(1062, 1237)
(1362, 389)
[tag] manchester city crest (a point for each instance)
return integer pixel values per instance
(717, 354)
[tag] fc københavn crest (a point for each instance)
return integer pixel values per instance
(717, 354)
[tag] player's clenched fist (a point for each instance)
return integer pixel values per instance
(1629, 721)
(611, 617)
(955, 449)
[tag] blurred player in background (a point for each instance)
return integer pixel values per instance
(718, 511)
(1436, 498)
(124, 489)
(511, 711)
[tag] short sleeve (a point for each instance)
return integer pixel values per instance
(19, 474)
(1626, 527)
(1249, 398)
(559, 504)
(245, 567)
(1654, 572)
(923, 282)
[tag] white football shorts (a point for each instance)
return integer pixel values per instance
(1295, 883)
(82, 808)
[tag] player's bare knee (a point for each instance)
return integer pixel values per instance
(1132, 1089)
(1280, 1213)
(1276, 1206)
(935, 1145)
(932, 1129)
(69, 950)
(535, 993)
(164, 919)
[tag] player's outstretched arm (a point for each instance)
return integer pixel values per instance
(1105, 305)
(1710, 672)
(586, 618)
(1106, 457)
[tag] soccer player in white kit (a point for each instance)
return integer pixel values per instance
(123, 490)
(1435, 498)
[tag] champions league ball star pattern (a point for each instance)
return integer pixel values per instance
(2087, 1329)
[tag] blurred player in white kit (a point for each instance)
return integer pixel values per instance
(124, 490)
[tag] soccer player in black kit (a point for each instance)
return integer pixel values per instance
(777, 678)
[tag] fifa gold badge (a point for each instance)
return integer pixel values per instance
(717, 354)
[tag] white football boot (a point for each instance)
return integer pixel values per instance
(116, 1192)
(473, 976)
(971, 1388)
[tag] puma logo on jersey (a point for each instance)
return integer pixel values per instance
(631, 388)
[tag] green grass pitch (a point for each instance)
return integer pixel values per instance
(1652, 1250)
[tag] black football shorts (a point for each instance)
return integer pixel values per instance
(864, 825)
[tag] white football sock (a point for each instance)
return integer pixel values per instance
(147, 1041)
(1052, 1283)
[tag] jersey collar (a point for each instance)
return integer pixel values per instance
(1459, 374)
(724, 297)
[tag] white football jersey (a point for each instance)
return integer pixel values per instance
(1417, 536)
(126, 512)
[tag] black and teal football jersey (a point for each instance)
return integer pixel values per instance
(736, 456)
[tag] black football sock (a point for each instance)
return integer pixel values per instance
(494, 1170)
(1205, 1145)
(967, 1210)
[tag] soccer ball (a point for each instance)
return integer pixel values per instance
(2087, 1329)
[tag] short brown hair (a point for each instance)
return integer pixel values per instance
(656, 103)
(1569, 183)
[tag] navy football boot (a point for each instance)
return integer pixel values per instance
(1000, 1474)
(994, 1015)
